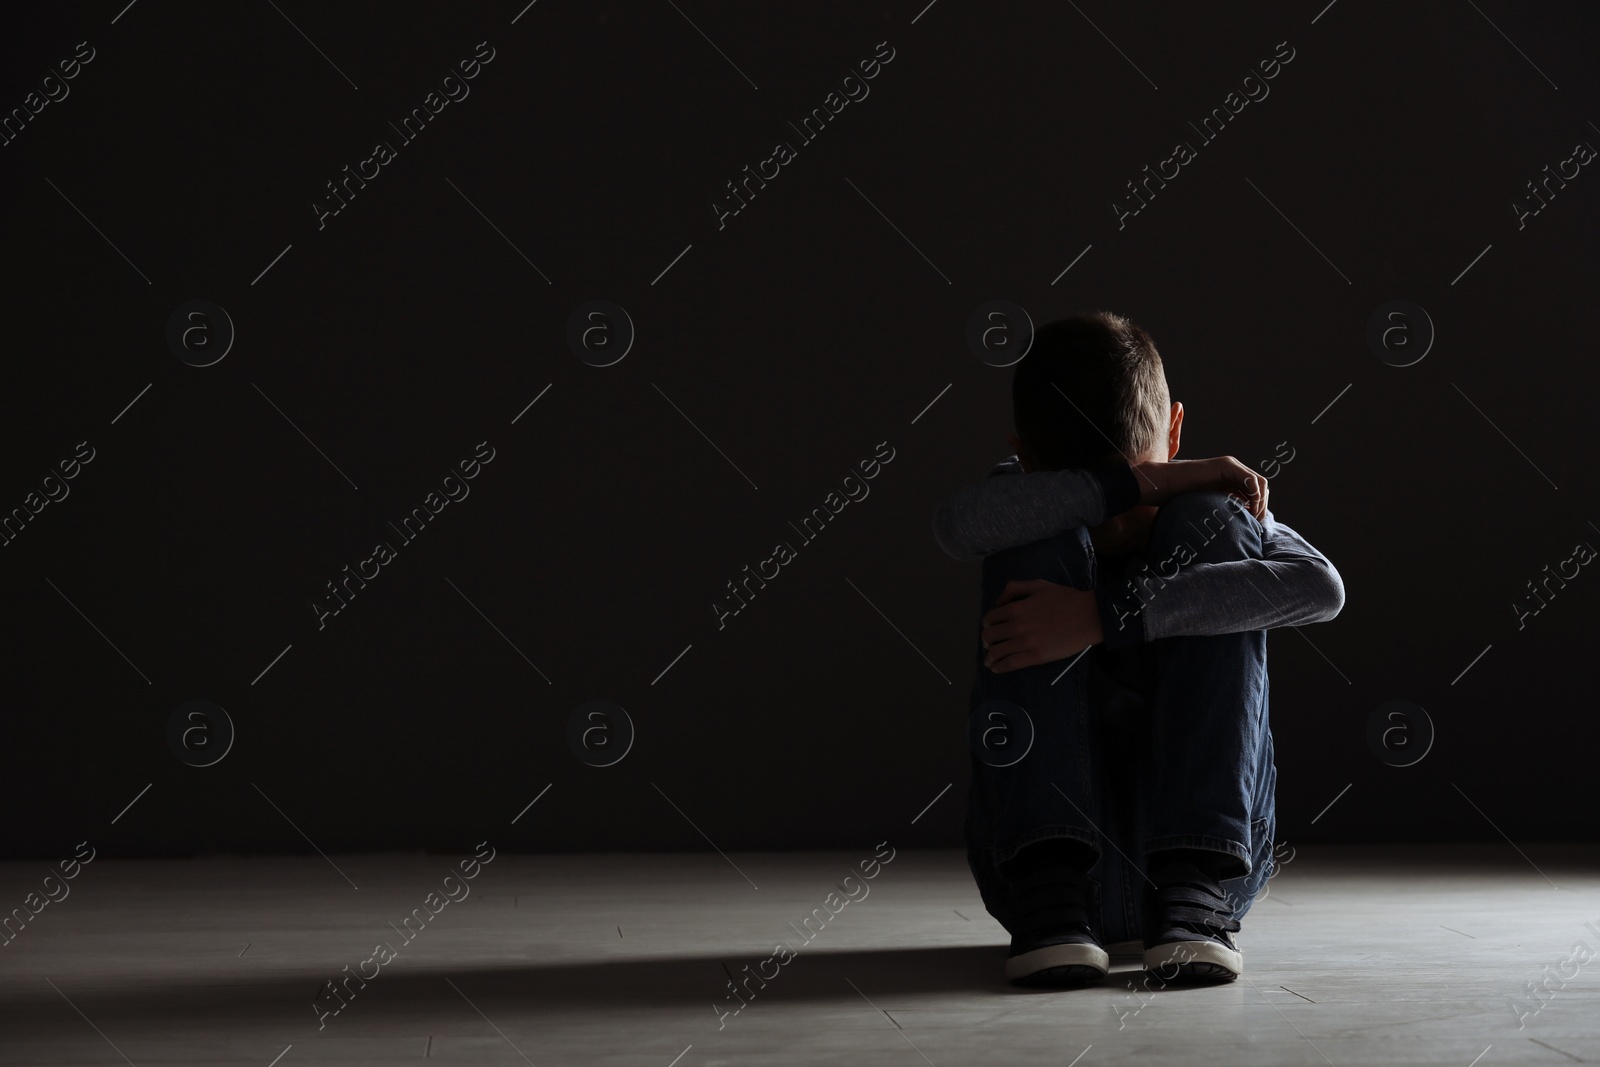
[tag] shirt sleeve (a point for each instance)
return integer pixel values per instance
(1011, 507)
(1291, 585)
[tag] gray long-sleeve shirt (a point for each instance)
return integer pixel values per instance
(1291, 585)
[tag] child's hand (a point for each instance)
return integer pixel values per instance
(1037, 622)
(1160, 482)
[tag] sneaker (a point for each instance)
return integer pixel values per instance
(1190, 923)
(1052, 943)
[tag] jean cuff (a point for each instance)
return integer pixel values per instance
(1001, 853)
(1210, 844)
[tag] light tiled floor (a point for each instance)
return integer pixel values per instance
(1394, 956)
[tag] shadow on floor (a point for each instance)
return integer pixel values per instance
(417, 987)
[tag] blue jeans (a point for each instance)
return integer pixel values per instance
(1133, 750)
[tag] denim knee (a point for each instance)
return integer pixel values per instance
(1074, 551)
(1215, 527)
(1068, 558)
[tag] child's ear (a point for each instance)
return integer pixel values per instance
(1021, 451)
(1175, 431)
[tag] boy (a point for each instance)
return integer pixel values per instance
(1126, 600)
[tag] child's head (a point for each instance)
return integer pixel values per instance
(1092, 388)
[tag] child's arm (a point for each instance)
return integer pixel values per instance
(1010, 507)
(1292, 584)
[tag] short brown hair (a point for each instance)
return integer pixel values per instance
(1091, 387)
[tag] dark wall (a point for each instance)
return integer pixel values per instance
(780, 349)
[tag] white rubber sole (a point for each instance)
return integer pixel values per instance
(1075, 962)
(1194, 961)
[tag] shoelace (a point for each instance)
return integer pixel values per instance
(1187, 897)
(1051, 899)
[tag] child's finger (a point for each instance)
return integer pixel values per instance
(1011, 661)
(994, 617)
(1015, 590)
(997, 634)
(1253, 493)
